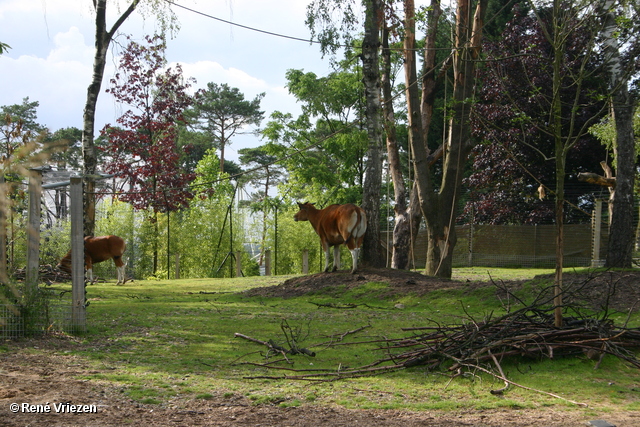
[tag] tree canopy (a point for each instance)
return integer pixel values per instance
(221, 112)
(517, 152)
(143, 147)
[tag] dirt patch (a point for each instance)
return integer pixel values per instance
(49, 378)
(42, 372)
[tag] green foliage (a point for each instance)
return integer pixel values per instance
(605, 131)
(70, 142)
(322, 150)
(210, 182)
(333, 23)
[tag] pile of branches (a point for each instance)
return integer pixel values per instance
(47, 274)
(522, 334)
(482, 345)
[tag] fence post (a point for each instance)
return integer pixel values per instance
(4, 207)
(305, 261)
(267, 262)
(596, 224)
(238, 264)
(33, 228)
(470, 257)
(78, 305)
(177, 275)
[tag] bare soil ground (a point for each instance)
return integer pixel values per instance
(51, 374)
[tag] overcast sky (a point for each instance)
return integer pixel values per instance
(52, 48)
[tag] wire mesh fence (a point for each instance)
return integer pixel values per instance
(525, 246)
(18, 322)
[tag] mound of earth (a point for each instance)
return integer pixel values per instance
(400, 282)
(617, 290)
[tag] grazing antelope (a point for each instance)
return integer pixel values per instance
(98, 249)
(336, 225)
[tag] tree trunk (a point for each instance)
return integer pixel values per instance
(371, 251)
(222, 144)
(555, 120)
(439, 208)
(89, 156)
(429, 67)
(621, 231)
(407, 218)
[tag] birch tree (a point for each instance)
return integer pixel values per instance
(371, 252)
(333, 35)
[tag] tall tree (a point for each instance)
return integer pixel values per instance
(334, 34)
(103, 38)
(144, 146)
(421, 100)
(372, 250)
(438, 201)
(222, 112)
(402, 239)
(567, 36)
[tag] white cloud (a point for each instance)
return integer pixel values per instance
(52, 53)
(71, 47)
(58, 82)
(211, 71)
(277, 97)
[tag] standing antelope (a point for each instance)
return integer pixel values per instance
(98, 249)
(336, 225)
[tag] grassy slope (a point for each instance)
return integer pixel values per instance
(167, 339)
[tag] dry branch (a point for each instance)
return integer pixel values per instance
(593, 178)
(277, 348)
(46, 273)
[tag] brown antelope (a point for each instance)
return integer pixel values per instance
(336, 225)
(98, 249)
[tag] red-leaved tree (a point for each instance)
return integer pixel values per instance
(143, 145)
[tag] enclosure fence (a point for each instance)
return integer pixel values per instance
(56, 318)
(525, 246)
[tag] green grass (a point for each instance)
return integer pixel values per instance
(165, 339)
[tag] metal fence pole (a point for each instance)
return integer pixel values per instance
(238, 264)
(596, 234)
(305, 261)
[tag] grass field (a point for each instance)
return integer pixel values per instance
(160, 340)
